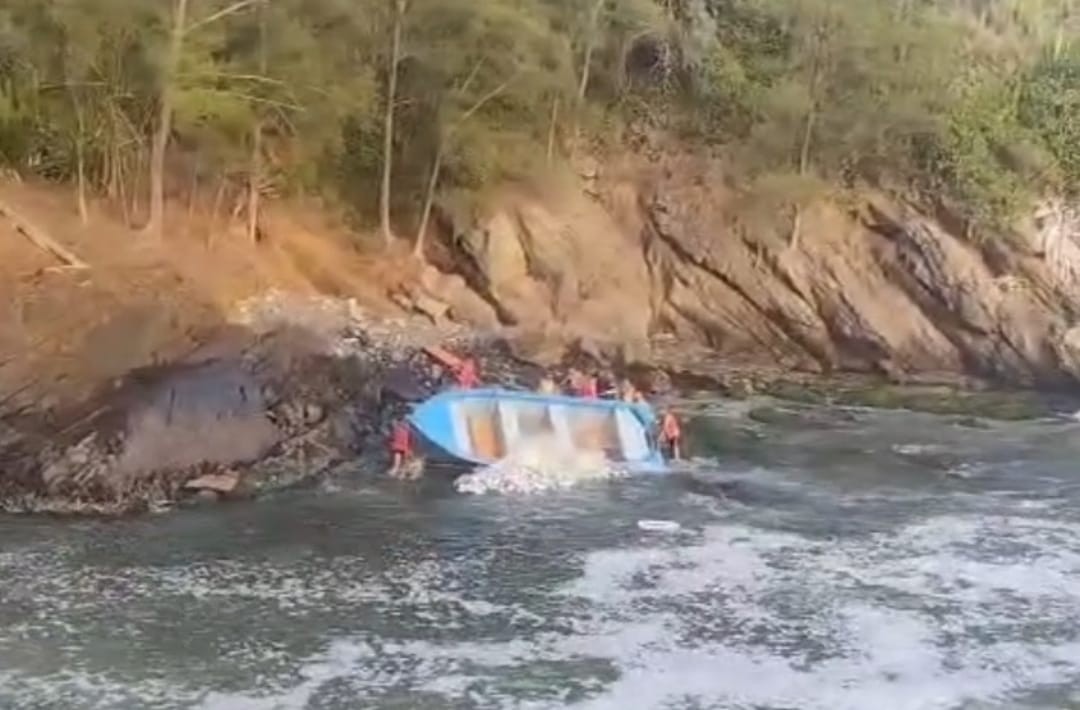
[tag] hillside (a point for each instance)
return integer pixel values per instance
(63, 331)
(812, 185)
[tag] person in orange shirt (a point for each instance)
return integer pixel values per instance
(401, 447)
(670, 435)
(465, 375)
(582, 385)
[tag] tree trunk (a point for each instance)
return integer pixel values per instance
(807, 141)
(255, 173)
(215, 210)
(808, 135)
(586, 63)
(590, 43)
(552, 128)
(80, 184)
(429, 201)
(388, 123)
(193, 194)
(80, 157)
(164, 125)
(112, 183)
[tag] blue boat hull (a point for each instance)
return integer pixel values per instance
(478, 427)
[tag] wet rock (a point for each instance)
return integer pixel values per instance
(223, 483)
(210, 413)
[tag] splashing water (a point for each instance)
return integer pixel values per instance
(539, 464)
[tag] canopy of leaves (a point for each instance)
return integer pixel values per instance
(978, 100)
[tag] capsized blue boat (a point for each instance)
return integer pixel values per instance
(479, 427)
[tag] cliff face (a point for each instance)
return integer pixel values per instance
(644, 247)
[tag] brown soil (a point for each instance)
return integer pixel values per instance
(64, 331)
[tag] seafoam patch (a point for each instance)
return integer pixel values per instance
(951, 610)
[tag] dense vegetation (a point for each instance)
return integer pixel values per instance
(386, 103)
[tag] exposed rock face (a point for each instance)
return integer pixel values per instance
(872, 285)
(559, 263)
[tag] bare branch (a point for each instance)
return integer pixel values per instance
(225, 12)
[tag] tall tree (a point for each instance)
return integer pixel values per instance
(397, 28)
(164, 122)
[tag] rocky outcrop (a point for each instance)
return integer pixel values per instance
(558, 263)
(296, 386)
(870, 284)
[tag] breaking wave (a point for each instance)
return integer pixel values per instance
(539, 464)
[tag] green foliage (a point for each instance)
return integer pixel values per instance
(1050, 106)
(975, 101)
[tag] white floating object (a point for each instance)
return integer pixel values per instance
(659, 525)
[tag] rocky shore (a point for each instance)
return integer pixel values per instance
(653, 264)
(293, 388)
(297, 387)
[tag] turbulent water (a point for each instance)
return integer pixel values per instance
(538, 465)
(826, 559)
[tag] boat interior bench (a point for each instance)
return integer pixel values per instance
(493, 428)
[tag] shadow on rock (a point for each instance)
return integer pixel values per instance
(244, 413)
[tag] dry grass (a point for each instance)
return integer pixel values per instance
(143, 302)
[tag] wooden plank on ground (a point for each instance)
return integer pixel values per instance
(40, 238)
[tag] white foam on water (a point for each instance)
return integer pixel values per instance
(538, 464)
(939, 592)
(943, 612)
(931, 616)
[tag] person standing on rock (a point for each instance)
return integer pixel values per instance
(401, 448)
(465, 375)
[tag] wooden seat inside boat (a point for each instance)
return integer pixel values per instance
(485, 433)
(596, 431)
(494, 427)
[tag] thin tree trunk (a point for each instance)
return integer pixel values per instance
(590, 43)
(125, 206)
(193, 193)
(80, 184)
(388, 123)
(429, 201)
(552, 129)
(112, 187)
(807, 141)
(80, 157)
(164, 126)
(253, 184)
(433, 181)
(586, 63)
(255, 174)
(808, 137)
(215, 209)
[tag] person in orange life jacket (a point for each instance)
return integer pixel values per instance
(670, 435)
(401, 446)
(582, 385)
(465, 375)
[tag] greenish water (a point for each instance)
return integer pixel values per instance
(827, 558)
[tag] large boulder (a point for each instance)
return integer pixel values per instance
(561, 259)
(210, 413)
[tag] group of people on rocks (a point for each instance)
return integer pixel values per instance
(465, 375)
